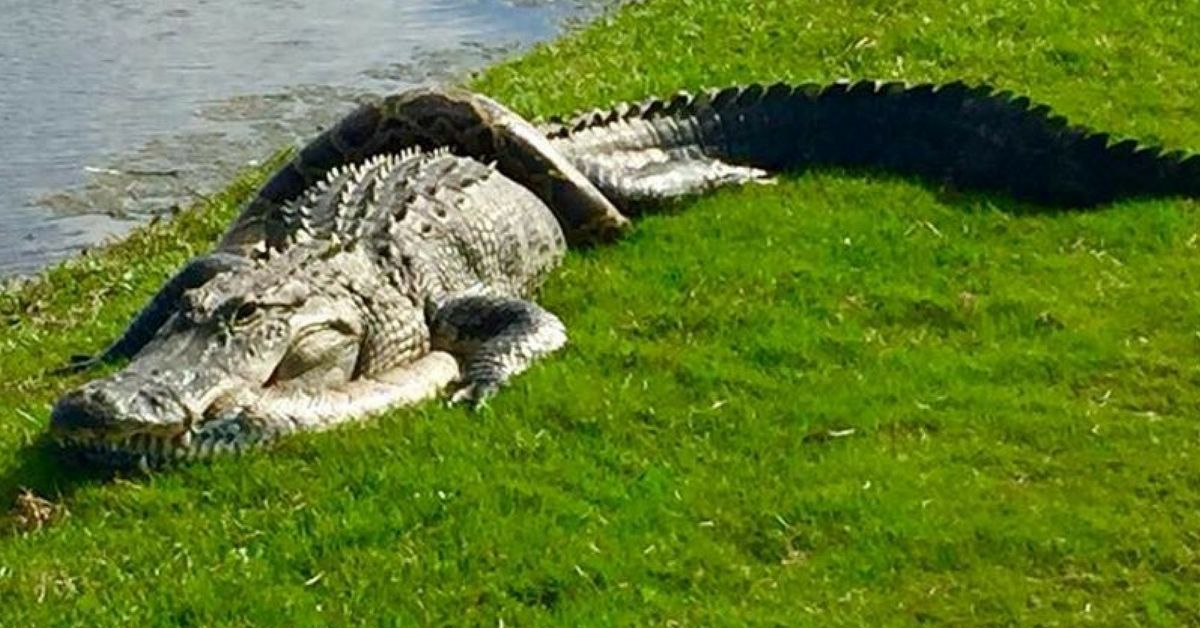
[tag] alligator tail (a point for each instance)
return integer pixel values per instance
(973, 137)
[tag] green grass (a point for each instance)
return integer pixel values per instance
(1022, 386)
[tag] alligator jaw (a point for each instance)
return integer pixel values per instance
(124, 421)
(247, 420)
(143, 450)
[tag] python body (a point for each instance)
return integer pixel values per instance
(397, 256)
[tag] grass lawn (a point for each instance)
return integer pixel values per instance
(846, 399)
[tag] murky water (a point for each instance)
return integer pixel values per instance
(112, 111)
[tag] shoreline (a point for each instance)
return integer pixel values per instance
(92, 154)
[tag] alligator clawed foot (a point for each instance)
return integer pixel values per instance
(474, 395)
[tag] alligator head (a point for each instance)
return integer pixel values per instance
(282, 346)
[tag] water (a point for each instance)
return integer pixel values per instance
(113, 111)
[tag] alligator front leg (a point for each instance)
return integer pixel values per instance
(494, 338)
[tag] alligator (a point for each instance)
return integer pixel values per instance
(396, 257)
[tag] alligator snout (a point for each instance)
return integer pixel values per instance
(118, 405)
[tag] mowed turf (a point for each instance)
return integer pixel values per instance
(848, 398)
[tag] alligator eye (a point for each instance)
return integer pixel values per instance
(245, 312)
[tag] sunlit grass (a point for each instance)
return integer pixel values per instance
(844, 399)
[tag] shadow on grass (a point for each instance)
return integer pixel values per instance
(972, 199)
(39, 486)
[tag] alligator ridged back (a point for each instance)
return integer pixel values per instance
(427, 119)
(969, 136)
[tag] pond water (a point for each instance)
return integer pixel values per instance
(114, 111)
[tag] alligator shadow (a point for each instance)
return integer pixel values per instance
(38, 488)
(978, 198)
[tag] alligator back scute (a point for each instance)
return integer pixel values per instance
(259, 223)
(467, 124)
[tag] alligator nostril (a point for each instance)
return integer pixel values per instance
(79, 410)
(154, 401)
